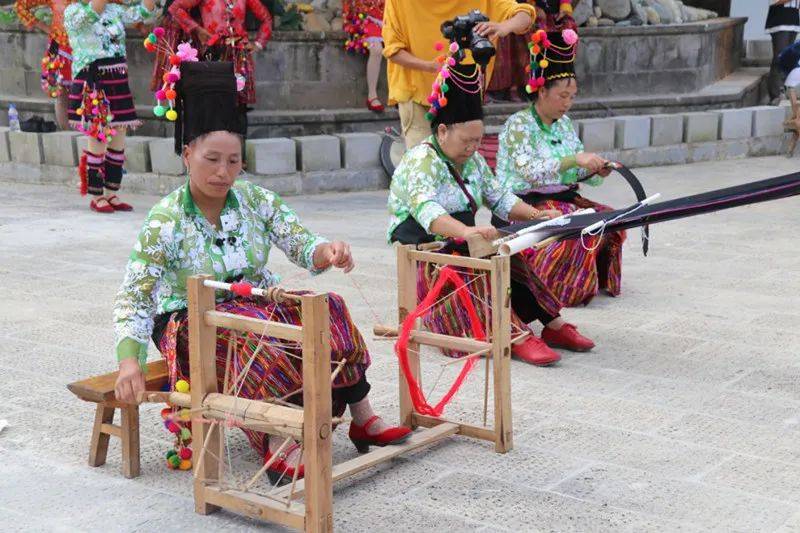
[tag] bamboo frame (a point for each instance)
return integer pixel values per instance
(499, 347)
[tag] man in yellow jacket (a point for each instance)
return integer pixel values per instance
(411, 29)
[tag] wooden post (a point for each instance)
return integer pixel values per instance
(501, 352)
(98, 448)
(317, 413)
(203, 380)
(130, 441)
(406, 303)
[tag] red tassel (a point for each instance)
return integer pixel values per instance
(83, 175)
(242, 289)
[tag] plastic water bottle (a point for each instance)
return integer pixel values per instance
(13, 118)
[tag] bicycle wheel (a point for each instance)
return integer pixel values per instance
(391, 151)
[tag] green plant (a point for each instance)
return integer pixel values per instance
(291, 20)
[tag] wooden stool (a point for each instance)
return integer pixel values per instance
(100, 390)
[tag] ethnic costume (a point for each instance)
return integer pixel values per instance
(363, 22)
(57, 60)
(100, 99)
(537, 162)
(224, 20)
(177, 241)
(427, 185)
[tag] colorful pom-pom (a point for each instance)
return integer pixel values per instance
(451, 61)
(439, 46)
(170, 453)
(185, 453)
(170, 465)
(445, 74)
(445, 87)
(159, 110)
(453, 48)
(242, 289)
(182, 386)
(536, 49)
(170, 94)
(174, 60)
(172, 427)
(428, 116)
(152, 38)
(172, 77)
(161, 94)
(442, 101)
(186, 434)
(172, 115)
(185, 465)
(185, 415)
(174, 460)
(158, 31)
(431, 98)
(528, 88)
(79, 111)
(569, 36)
(544, 63)
(441, 59)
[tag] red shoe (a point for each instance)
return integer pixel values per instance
(119, 205)
(363, 440)
(280, 471)
(101, 208)
(377, 108)
(568, 338)
(532, 350)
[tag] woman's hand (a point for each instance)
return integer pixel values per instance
(492, 30)
(489, 233)
(591, 162)
(548, 214)
(130, 381)
(202, 35)
(336, 254)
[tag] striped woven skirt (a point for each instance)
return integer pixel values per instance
(109, 77)
(448, 317)
(575, 271)
(276, 371)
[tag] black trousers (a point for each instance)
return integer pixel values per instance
(780, 40)
(354, 393)
(525, 305)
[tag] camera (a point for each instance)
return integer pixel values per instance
(461, 30)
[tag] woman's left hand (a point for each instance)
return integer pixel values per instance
(336, 254)
(492, 30)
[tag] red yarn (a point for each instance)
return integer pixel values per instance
(421, 404)
(242, 289)
(82, 174)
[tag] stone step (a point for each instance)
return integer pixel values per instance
(739, 89)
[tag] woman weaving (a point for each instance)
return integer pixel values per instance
(542, 160)
(435, 193)
(224, 227)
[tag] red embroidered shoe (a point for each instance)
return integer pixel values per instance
(119, 205)
(568, 338)
(105, 208)
(281, 472)
(363, 440)
(532, 350)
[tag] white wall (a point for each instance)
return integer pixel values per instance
(756, 12)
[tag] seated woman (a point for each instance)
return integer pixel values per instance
(542, 160)
(224, 227)
(436, 191)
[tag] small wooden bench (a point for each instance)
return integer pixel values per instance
(100, 390)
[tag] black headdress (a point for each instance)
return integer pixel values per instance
(457, 95)
(552, 57)
(206, 101)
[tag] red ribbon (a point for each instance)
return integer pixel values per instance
(421, 404)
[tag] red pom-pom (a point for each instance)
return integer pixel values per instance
(170, 94)
(172, 427)
(158, 31)
(82, 174)
(442, 101)
(166, 412)
(242, 289)
(439, 46)
(174, 60)
(185, 453)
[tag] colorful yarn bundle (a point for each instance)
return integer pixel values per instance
(543, 52)
(95, 113)
(177, 422)
(52, 65)
(166, 95)
(448, 75)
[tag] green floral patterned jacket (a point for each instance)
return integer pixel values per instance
(423, 187)
(95, 36)
(177, 241)
(530, 153)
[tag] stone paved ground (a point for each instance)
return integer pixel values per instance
(685, 418)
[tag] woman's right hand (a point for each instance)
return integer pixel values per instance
(489, 233)
(591, 162)
(202, 35)
(130, 381)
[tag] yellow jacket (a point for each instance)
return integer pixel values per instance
(414, 26)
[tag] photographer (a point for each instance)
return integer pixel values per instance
(411, 29)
